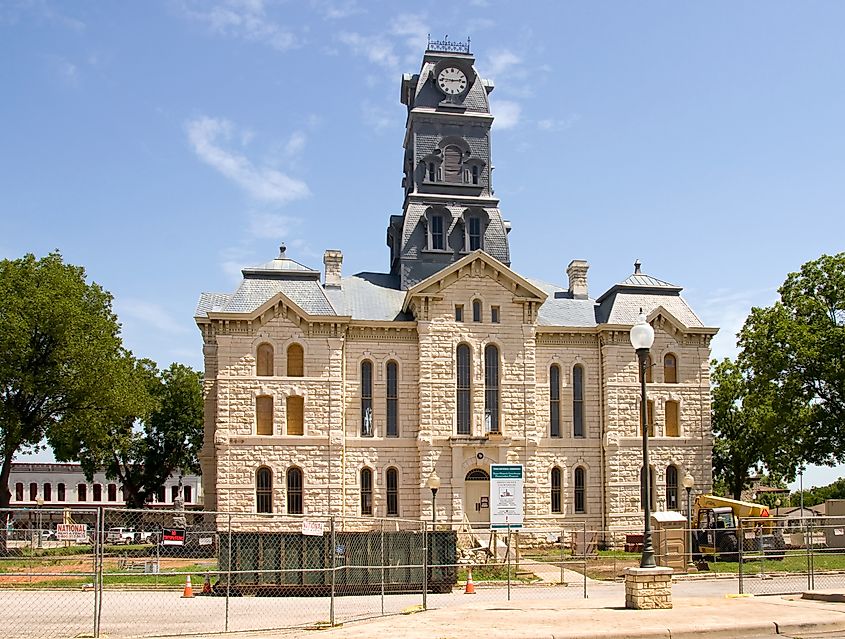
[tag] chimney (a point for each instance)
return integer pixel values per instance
(577, 272)
(332, 260)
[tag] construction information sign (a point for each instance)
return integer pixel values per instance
(507, 488)
(71, 532)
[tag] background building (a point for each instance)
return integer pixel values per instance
(344, 396)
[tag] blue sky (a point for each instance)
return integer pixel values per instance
(165, 145)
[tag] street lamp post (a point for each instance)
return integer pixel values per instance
(689, 482)
(642, 337)
(777, 507)
(40, 502)
(434, 484)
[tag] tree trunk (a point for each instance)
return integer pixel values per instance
(5, 500)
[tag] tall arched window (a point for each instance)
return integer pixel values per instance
(672, 488)
(491, 389)
(557, 502)
(476, 310)
(578, 401)
(263, 415)
(554, 401)
(111, 491)
(366, 398)
(296, 361)
(392, 399)
(264, 363)
(670, 369)
(392, 481)
(366, 491)
(294, 491)
(19, 491)
(673, 428)
(98, 493)
(82, 492)
(295, 409)
(48, 492)
(580, 488)
(264, 490)
(464, 390)
(452, 170)
(33, 491)
(60, 492)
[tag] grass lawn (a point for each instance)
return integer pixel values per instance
(495, 572)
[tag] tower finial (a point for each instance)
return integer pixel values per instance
(637, 266)
(282, 249)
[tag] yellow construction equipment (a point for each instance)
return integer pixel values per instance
(718, 524)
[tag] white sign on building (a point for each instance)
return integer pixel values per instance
(507, 492)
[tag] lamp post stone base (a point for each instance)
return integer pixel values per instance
(648, 588)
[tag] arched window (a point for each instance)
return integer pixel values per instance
(580, 488)
(366, 398)
(19, 491)
(392, 481)
(491, 389)
(651, 488)
(554, 401)
(82, 492)
(578, 401)
(98, 493)
(264, 490)
(264, 363)
(48, 492)
(392, 399)
(111, 492)
(263, 415)
(295, 409)
(33, 491)
(557, 502)
(672, 488)
(60, 492)
(673, 419)
(294, 484)
(366, 491)
(296, 361)
(464, 390)
(648, 368)
(670, 369)
(452, 157)
(188, 494)
(476, 310)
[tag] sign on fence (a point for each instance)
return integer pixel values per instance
(173, 537)
(507, 482)
(312, 528)
(71, 532)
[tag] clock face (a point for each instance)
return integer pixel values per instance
(452, 81)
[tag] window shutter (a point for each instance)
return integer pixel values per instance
(295, 406)
(452, 164)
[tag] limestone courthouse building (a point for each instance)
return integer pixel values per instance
(331, 393)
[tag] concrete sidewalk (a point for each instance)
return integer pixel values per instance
(601, 617)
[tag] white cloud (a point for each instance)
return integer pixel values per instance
(552, 124)
(150, 314)
(500, 61)
(271, 225)
(337, 10)
(407, 31)
(507, 113)
(295, 144)
(260, 182)
(378, 118)
(413, 30)
(245, 19)
(375, 49)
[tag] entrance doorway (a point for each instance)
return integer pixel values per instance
(477, 497)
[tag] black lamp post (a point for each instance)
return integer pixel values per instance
(642, 337)
(689, 482)
(434, 484)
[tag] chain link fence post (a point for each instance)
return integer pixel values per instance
(740, 570)
(228, 570)
(425, 567)
(509, 561)
(382, 566)
(585, 560)
(334, 572)
(560, 541)
(811, 576)
(98, 572)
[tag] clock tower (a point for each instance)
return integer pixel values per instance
(449, 208)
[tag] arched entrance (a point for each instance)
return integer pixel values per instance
(477, 497)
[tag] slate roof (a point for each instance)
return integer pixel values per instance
(561, 309)
(369, 296)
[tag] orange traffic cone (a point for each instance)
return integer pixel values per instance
(470, 588)
(188, 593)
(206, 585)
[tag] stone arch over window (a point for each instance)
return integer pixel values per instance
(391, 480)
(557, 490)
(670, 368)
(464, 390)
(366, 491)
(392, 398)
(554, 401)
(672, 502)
(263, 415)
(580, 495)
(578, 401)
(295, 414)
(673, 418)
(294, 481)
(264, 365)
(264, 490)
(295, 360)
(491, 389)
(367, 417)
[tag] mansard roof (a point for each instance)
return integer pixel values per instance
(369, 296)
(561, 309)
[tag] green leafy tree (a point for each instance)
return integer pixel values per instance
(158, 433)
(793, 353)
(60, 354)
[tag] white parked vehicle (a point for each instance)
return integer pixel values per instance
(120, 535)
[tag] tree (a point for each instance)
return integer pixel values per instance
(153, 436)
(60, 354)
(792, 352)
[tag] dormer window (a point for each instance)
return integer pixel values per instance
(452, 160)
(437, 234)
(474, 233)
(475, 173)
(432, 172)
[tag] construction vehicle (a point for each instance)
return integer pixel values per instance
(719, 522)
